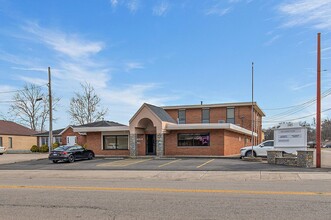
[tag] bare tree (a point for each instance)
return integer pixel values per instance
(27, 110)
(85, 107)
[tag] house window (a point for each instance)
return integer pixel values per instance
(44, 140)
(181, 116)
(205, 115)
(10, 139)
(57, 140)
(230, 115)
(1, 141)
(115, 142)
(194, 140)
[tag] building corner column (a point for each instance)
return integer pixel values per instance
(133, 145)
(160, 145)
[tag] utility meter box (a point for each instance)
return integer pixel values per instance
(290, 137)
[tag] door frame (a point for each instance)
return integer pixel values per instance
(147, 144)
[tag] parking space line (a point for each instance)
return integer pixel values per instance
(205, 163)
(123, 163)
(169, 163)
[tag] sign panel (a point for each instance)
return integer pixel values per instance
(290, 135)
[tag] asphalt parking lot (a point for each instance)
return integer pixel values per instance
(170, 164)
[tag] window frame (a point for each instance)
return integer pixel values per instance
(204, 121)
(116, 142)
(234, 115)
(193, 142)
(183, 121)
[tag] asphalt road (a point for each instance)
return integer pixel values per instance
(71, 197)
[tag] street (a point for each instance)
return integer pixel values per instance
(135, 195)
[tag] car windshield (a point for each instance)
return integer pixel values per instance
(62, 148)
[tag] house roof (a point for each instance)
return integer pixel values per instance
(157, 111)
(55, 133)
(234, 104)
(161, 113)
(100, 124)
(12, 128)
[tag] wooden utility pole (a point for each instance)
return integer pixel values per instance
(50, 142)
(318, 104)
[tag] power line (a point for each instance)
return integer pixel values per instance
(293, 119)
(293, 106)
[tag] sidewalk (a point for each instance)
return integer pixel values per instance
(14, 158)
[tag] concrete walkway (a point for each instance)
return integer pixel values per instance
(14, 158)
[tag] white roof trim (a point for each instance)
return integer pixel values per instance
(225, 126)
(69, 126)
(100, 129)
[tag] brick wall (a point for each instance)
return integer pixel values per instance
(81, 139)
(19, 142)
(93, 142)
(141, 144)
(233, 142)
(215, 148)
(242, 117)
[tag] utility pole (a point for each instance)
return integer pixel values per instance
(318, 104)
(252, 116)
(50, 142)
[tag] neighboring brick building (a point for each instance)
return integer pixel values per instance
(15, 137)
(187, 130)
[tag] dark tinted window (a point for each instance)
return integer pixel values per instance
(269, 144)
(205, 115)
(181, 116)
(193, 139)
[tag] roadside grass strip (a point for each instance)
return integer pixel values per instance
(171, 162)
(209, 161)
(167, 190)
(123, 163)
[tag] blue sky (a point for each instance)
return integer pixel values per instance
(167, 52)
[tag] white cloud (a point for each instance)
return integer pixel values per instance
(132, 5)
(272, 40)
(307, 12)
(217, 10)
(114, 3)
(133, 65)
(69, 44)
(161, 9)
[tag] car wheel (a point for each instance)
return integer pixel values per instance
(90, 156)
(71, 159)
(55, 161)
(1, 153)
(249, 154)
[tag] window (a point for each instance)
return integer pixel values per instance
(1, 141)
(205, 115)
(10, 139)
(268, 144)
(193, 139)
(115, 142)
(44, 140)
(181, 116)
(230, 115)
(57, 140)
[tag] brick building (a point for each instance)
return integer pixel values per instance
(15, 137)
(186, 130)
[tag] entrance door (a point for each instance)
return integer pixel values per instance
(150, 144)
(71, 140)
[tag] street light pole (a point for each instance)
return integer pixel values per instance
(50, 142)
(252, 116)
